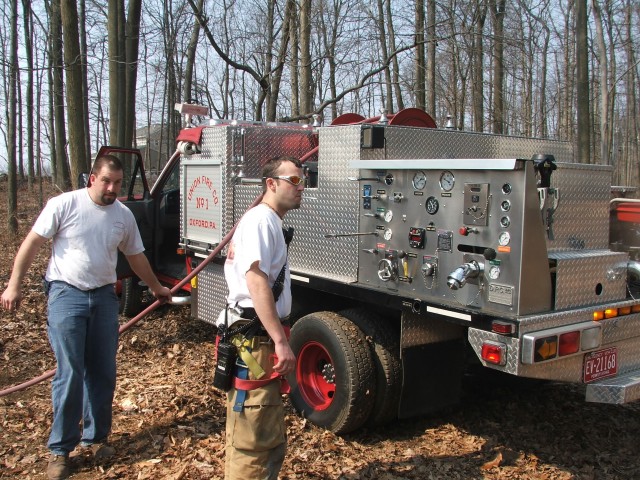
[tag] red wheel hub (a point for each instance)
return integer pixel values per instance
(315, 375)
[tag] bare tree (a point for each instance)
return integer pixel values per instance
(420, 67)
(59, 161)
(497, 16)
(12, 213)
(306, 80)
(72, 58)
(582, 83)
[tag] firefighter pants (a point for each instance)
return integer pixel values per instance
(256, 436)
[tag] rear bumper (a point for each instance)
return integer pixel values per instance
(621, 389)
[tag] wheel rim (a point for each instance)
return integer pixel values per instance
(315, 375)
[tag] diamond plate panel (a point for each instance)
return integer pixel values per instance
(403, 142)
(423, 329)
(212, 292)
(589, 278)
(581, 221)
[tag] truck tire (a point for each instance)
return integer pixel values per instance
(130, 297)
(333, 384)
(385, 349)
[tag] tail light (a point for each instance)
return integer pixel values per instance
(494, 353)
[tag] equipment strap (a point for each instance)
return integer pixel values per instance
(245, 347)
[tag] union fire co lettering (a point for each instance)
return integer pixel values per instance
(206, 182)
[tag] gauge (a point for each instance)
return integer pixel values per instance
(504, 238)
(419, 180)
(432, 205)
(505, 205)
(494, 272)
(388, 216)
(447, 180)
(506, 188)
(388, 179)
(505, 221)
(388, 234)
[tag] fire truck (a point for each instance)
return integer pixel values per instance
(416, 249)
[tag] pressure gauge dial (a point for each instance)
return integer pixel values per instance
(432, 205)
(419, 180)
(447, 181)
(388, 233)
(504, 238)
(388, 216)
(494, 272)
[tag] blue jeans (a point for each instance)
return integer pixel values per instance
(83, 333)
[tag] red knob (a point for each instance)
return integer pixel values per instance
(464, 231)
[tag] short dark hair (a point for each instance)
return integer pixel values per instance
(270, 168)
(112, 162)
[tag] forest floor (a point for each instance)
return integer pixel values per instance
(169, 420)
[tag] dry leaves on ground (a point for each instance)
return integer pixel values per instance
(169, 420)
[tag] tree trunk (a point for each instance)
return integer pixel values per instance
(394, 60)
(604, 84)
(382, 40)
(132, 42)
(497, 15)
(431, 57)
(582, 91)
(62, 179)
(12, 193)
(85, 81)
(28, 47)
(187, 93)
(420, 68)
(478, 67)
(306, 85)
(75, 109)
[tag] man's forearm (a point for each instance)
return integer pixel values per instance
(141, 267)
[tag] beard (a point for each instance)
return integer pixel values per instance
(108, 199)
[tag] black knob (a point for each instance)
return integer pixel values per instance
(489, 253)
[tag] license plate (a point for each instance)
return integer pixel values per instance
(600, 364)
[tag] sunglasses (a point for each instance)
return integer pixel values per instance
(292, 179)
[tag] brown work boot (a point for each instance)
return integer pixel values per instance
(102, 450)
(59, 467)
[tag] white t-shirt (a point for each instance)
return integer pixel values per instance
(86, 238)
(258, 237)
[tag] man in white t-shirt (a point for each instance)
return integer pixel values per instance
(255, 432)
(87, 228)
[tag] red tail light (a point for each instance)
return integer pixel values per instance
(494, 352)
(569, 343)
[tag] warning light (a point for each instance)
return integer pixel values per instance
(598, 315)
(503, 328)
(546, 348)
(494, 352)
(569, 343)
(610, 313)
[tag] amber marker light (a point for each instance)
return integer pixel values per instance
(611, 313)
(635, 308)
(624, 310)
(598, 315)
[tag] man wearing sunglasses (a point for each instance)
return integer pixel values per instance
(256, 260)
